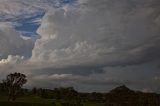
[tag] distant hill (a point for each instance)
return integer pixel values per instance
(123, 96)
(121, 89)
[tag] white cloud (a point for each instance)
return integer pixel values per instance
(11, 60)
(11, 64)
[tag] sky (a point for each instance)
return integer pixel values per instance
(92, 45)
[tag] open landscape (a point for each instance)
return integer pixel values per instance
(119, 96)
(37, 101)
(79, 52)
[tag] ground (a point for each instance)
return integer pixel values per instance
(36, 101)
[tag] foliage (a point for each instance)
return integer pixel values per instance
(13, 83)
(120, 96)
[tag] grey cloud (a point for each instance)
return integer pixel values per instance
(85, 71)
(120, 35)
(11, 43)
(59, 80)
(89, 35)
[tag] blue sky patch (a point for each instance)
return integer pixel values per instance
(28, 26)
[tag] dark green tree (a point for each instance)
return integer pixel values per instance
(13, 83)
(34, 90)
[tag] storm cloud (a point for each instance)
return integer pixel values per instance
(95, 44)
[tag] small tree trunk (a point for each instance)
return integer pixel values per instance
(9, 94)
(13, 93)
(9, 98)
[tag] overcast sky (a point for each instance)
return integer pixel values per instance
(92, 45)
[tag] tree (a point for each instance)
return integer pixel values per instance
(34, 90)
(13, 83)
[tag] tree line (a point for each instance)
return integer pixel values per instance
(120, 96)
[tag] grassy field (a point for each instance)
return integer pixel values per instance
(36, 101)
(26, 101)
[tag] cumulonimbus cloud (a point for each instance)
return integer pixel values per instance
(94, 41)
(99, 33)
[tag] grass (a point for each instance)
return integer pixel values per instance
(21, 104)
(36, 101)
(27, 101)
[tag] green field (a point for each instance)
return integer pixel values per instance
(26, 101)
(37, 101)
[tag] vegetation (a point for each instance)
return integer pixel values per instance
(120, 96)
(13, 83)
